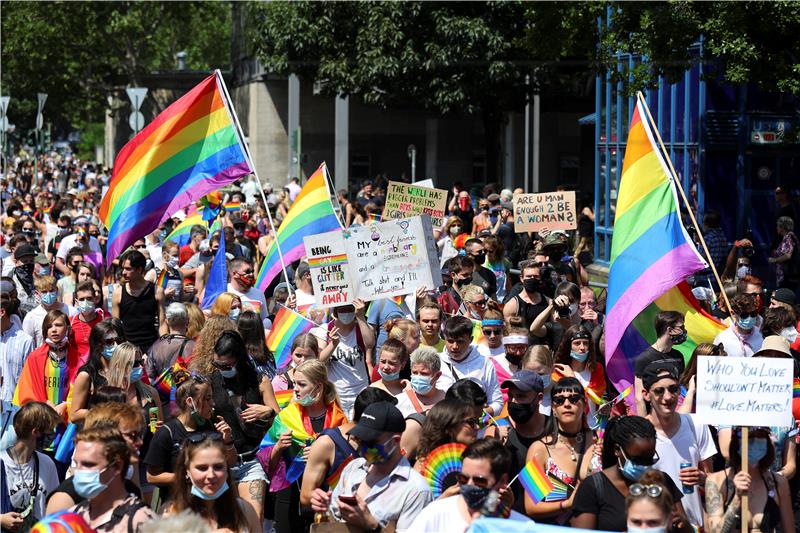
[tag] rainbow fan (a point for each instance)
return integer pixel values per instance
(441, 466)
(62, 522)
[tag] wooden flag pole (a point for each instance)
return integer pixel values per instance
(677, 182)
(744, 511)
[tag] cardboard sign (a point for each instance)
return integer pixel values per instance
(744, 391)
(551, 210)
(330, 269)
(392, 258)
(404, 201)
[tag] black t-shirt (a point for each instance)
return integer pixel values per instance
(166, 444)
(650, 355)
(597, 495)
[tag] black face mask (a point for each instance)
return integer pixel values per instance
(462, 282)
(474, 496)
(520, 412)
(532, 285)
(514, 359)
(479, 259)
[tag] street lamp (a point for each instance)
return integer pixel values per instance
(412, 155)
(4, 127)
(41, 98)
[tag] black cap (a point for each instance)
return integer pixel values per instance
(524, 380)
(658, 370)
(378, 418)
(24, 250)
(784, 295)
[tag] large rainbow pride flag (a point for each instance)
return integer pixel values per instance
(651, 255)
(310, 214)
(192, 148)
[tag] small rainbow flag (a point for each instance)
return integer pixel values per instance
(284, 398)
(373, 218)
(593, 396)
(286, 326)
(233, 207)
(796, 388)
(162, 279)
(624, 394)
(499, 421)
(535, 481)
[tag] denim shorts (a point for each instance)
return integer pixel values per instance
(248, 471)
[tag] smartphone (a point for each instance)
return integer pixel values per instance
(349, 500)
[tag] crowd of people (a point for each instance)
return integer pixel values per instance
(127, 406)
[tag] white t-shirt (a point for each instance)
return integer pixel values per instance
(692, 443)
(94, 256)
(736, 346)
(485, 351)
(347, 369)
(252, 299)
(445, 516)
(303, 298)
(404, 404)
(20, 475)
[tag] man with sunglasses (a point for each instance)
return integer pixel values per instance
(679, 438)
(481, 276)
(485, 471)
(671, 331)
(743, 338)
(380, 487)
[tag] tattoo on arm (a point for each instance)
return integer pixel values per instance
(713, 499)
(730, 520)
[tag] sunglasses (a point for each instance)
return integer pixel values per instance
(473, 422)
(637, 489)
(220, 366)
(572, 399)
(659, 391)
(492, 332)
(479, 303)
(111, 341)
(748, 315)
(196, 437)
(478, 481)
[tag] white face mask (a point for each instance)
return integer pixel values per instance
(346, 318)
(790, 334)
(634, 529)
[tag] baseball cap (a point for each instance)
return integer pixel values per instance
(24, 250)
(493, 198)
(525, 381)
(659, 370)
(378, 418)
(41, 259)
(784, 295)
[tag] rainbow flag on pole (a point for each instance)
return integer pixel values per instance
(651, 254)
(310, 214)
(535, 481)
(286, 326)
(190, 149)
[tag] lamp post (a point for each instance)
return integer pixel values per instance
(412, 155)
(4, 126)
(41, 99)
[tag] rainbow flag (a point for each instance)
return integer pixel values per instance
(796, 388)
(182, 232)
(192, 148)
(233, 207)
(286, 326)
(535, 481)
(650, 255)
(310, 214)
(373, 218)
(284, 398)
(163, 278)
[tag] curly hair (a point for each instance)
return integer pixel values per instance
(204, 350)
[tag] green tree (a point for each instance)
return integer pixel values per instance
(79, 52)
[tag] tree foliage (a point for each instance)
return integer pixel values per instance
(78, 52)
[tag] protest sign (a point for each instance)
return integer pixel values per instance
(551, 210)
(392, 258)
(404, 201)
(330, 269)
(744, 391)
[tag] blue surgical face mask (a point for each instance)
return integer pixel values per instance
(308, 399)
(546, 379)
(49, 298)
(233, 314)
(208, 497)
(87, 483)
(346, 318)
(659, 529)
(394, 376)
(421, 384)
(756, 450)
(86, 306)
(136, 374)
(580, 357)
(746, 323)
(108, 351)
(631, 470)
(229, 374)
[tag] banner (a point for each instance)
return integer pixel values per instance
(330, 269)
(404, 201)
(744, 391)
(392, 258)
(550, 210)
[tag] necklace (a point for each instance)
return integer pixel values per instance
(319, 416)
(572, 454)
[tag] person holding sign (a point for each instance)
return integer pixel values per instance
(769, 500)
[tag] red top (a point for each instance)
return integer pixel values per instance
(80, 334)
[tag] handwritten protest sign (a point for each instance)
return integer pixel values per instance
(551, 210)
(330, 269)
(392, 258)
(744, 391)
(404, 201)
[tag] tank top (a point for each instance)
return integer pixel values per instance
(343, 453)
(529, 312)
(139, 315)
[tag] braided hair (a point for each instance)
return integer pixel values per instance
(622, 430)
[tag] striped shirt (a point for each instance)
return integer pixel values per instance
(15, 345)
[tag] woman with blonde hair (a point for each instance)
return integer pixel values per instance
(203, 357)
(197, 320)
(228, 305)
(446, 244)
(405, 330)
(539, 358)
(125, 371)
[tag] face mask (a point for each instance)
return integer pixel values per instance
(474, 496)
(479, 259)
(86, 306)
(44, 271)
(532, 285)
(87, 483)
(378, 453)
(746, 323)
(346, 318)
(229, 374)
(463, 281)
(394, 376)
(233, 314)
(756, 450)
(208, 497)
(26, 269)
(308, 399)
(173, 262)
(49, 298)
(680, 338)
(580, 357)
(790, 334)
(520, 412)
(455, 230)
(421, 384)
(633, 529)
(632, 470)
(742, 271)
(57, 345)
(108, 351)
(513, 359)
(136, 374)
(247, 281)
(546, 379)
(196, 416)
